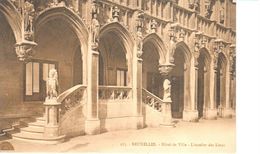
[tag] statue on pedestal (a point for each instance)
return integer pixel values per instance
(95, 26)
(52, 84)
(167, 90)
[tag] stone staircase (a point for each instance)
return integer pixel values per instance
(33, 131)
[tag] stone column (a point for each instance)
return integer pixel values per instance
(227, 110)
(92, 123)
(165, 71)
(211, 110)
(190, 112)
(137, 90)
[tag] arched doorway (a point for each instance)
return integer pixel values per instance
(115, 65)
(58, 47)
(177, 90)
(151, 78)
(203, 90)
(221, 83)
(180, 92)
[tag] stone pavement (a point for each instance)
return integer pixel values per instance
(206, 136)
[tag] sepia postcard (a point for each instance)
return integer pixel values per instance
(118, 76)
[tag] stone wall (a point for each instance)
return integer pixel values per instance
(73, 123)
(152, 117)
(117, 115)
(12, 106)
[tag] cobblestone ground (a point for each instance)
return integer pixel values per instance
(206, 136)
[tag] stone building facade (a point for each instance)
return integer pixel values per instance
(122, 64)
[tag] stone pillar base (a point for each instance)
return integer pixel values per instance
(51, 131)
(190, 115)
(92, 127)
(211, 114)
(227, 113)
(166, 113)
(139, 122)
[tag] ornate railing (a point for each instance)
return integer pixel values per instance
(152, 100)
(114, 93)
(71, 98)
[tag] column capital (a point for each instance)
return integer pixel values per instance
(24, 50)
(165, 69)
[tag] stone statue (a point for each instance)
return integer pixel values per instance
(115, 14)
(139, 42)
(222, 14)
(28, 16)
(167, 90)
(153, 26)
(52, 84)
(95, 27)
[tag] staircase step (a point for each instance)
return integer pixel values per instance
(12, 131)
(40, 119)
(36, 124)
(38, 138)
(37, 130)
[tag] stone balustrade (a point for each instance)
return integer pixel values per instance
(114, 93)
(71, 98)
(152, 100)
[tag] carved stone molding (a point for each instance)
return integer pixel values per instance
(165, 69)
(24, 50)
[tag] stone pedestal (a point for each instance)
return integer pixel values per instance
(210, 114)
(167, 101)
(52, 115)
(167, 114)
(190, 115)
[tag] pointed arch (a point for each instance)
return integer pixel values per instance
(13, 18)
(120, 31)
(185, 49)
(158, 44)
(73, 20)
(207, 55)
